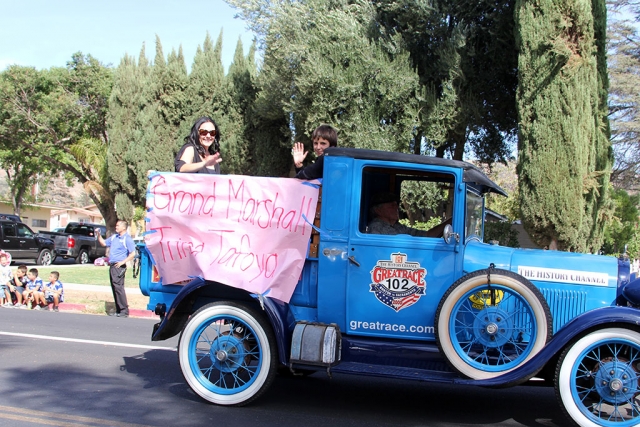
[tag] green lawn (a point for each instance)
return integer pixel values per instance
(84, 274)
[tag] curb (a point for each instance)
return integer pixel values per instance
(80, 308)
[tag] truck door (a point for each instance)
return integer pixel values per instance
(27, 240)
(398, 273)
(10, 241)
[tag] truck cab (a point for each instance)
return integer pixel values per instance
(433, 303)
(355, 265)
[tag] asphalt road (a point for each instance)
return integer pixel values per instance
(66, 369)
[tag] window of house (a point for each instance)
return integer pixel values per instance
(39, 223)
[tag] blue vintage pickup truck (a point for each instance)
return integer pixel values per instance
(440, 306)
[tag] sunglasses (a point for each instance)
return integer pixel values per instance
(204, 132)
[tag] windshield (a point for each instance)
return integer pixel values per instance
(473, 219)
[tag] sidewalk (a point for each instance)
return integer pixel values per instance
(103, 290)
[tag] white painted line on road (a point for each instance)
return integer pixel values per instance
(115, 344)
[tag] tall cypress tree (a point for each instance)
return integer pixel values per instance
(205, 93)
(131, 122)
(171, 82)
(240, 82)
(563, 154)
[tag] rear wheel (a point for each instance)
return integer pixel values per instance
(597, 379)
(227, 353)
(490, 322)
(45, 257)
(83, 257)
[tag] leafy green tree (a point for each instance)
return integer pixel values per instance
(503, 232)
(624, 98)
(322, 66)
(563, 163)
(505, 176)
(133, 122)
(205, 81)
(241, 84)
(620, 229)
(207, 94)
(22, 174)
(46, 115)
(465, 54)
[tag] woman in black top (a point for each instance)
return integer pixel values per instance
(201, 150)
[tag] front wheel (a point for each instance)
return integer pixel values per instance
(45, 257)
(597, 379)
(491, 321)
(228, 354)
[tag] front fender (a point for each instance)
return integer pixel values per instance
(595, 319)
(199, 292)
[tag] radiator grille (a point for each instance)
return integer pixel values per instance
(564, 305)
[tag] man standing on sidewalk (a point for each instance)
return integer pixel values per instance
(122, 249)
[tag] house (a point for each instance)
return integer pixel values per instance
(36, 216)
(62, 216)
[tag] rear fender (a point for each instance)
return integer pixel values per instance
(578, 327)
(199, 292)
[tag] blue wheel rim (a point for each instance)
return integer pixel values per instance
(493, 329)
(225, 354)
(604, 383)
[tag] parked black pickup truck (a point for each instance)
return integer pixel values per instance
(23, 243)
(79, 242)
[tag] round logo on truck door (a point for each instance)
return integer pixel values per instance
(398, 284)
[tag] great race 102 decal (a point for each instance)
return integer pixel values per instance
(398, 284)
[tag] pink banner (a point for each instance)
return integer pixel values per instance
(246, 232)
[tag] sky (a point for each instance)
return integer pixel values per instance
(45, 33)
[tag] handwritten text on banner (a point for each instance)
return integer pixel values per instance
(245, 232)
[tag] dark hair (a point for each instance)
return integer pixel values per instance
(55, 274)
(194, 137)
(34, 271)
(325, 132)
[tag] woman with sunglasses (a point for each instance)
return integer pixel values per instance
(201, 150)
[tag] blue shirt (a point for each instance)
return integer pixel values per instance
(35, 284)
(57, 286)
(121, 247)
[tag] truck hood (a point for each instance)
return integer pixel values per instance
(542, 266)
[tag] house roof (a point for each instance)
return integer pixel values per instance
(77, 210)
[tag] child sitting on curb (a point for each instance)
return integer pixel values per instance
(53, 291)
(5, 281)
(33, 294)
(17, 285)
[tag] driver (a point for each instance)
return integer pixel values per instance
(384, 211)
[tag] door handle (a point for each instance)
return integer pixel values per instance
(352, 260)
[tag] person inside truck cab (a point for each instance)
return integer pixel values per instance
(324, 136)
(201, 150)
(383, 210)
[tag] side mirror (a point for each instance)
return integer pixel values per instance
(449, 234)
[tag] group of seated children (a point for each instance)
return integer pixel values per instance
(27, 289)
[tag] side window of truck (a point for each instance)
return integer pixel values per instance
(9, 230)
(425, 198)
(23, 231)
